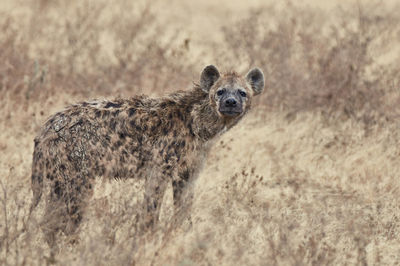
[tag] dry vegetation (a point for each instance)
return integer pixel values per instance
(311, 177)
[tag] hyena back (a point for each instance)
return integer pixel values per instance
(159, 139)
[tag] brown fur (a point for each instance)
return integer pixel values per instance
(159, 139)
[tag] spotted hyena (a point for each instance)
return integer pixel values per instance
(159, 139)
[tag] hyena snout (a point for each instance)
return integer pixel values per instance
(231, 106)
(230, 102)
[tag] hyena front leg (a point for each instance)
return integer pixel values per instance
(154, 192)
(183, 198)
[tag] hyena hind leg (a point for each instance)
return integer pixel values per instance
(76, 201)
(154, 193)
(53, 221)
(64, 209)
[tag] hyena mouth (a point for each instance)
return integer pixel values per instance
(231, 113)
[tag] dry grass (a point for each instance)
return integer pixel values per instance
(310, 177)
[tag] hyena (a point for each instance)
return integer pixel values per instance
(159, 139)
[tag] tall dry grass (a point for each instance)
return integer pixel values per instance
(318, 62)
(311, 176)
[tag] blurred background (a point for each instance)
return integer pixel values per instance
(311, 175)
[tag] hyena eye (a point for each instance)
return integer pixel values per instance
(242, 93)
(220, 92)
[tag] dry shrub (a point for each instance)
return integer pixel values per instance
(16, 65)
(18, 231)
(315, 60)
(91, 48)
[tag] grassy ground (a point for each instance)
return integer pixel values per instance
(309, 178)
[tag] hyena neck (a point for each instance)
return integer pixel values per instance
(207, 124)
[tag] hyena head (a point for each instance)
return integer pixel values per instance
(231, 94)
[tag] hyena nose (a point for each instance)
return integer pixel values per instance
(230, 102)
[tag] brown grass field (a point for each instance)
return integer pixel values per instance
(310, 177)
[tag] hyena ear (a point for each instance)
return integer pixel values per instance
(208, 77)
(255, 78)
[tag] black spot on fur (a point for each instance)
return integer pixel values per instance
(118, 144)
(133, 149)
(106, 141)
(38, 155)
(180, 115)
(98, 113)
(105, 113)
(158, 123)
(140, 165)
(57, 189)
(101, 170)
(77, 112)
(112, 105)
(188, 109)
(171, 103)
(181, 184)
(191, 128)
(182, 144)
(165, 130)
(122, 159)
(185, 175)
(131, 111)
(113, 124)
(122, 135)
(115, 113)
(167, 157)
(135, 126)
